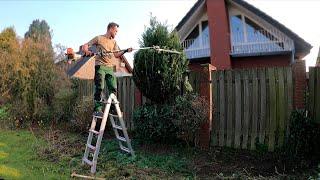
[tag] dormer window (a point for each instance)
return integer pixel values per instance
(197, 43)
(248, 36)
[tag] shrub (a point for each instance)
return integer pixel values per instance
(303, 140)
(63, 105)
(190, 112)
(5, 121)
(29, 79)
(82, 115)
(159, 75)
(153, 123)
(168, 123)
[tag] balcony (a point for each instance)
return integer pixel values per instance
(197, 48)
(260, 42)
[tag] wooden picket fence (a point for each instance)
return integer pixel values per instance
(251, 106)
(314, 93)
(126, 93)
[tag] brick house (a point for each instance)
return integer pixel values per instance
(232, 34)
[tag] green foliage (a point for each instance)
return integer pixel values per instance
(4, 117)
(302, 142)
(29, 78)
(190, 111)
(159, 75)
(39, 31)
(153, 123)
(63, 105)
(9, 55)
(82, 115)
(168, 123)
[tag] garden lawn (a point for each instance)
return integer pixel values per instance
(18, 158)
(55, 154)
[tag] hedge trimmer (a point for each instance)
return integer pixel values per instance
(72, 56)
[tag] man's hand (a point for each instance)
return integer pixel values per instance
(88, 53)
(130, 49)
(85, 50)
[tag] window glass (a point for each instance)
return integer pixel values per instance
(256, 33)
(237, 29)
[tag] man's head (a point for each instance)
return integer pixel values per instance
(113, 29)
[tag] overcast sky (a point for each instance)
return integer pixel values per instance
(76, 22)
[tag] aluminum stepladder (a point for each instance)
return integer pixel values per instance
(112, 100)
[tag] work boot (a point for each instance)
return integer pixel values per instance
(98, 113)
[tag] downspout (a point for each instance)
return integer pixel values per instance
(293, 51)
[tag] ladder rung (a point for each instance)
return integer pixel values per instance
(121, 138)
(93, 131)
(100, 117)
(106, 102)
(125, 149)
(91, 147)
(87, 161)
(113, 115)
(117, 127)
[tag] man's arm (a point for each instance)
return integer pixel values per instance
(85, 47)
(119, 54)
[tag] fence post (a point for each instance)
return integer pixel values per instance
(206, 92)
(300, 79)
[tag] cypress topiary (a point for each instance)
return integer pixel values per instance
(160, 75)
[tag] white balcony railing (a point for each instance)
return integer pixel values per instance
(197, 48)
(260, 41)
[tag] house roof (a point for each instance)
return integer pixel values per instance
(84, 60)
(188, 15)
(302, 47)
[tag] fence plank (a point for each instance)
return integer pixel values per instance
(222, 108)
(263, 102)
(290, 97)
(237, 109)
(132, 98)
(215, 108)
(281, 107)
(255, 103)
(317, 95)
(273, 108)
(245, 122)
(124, 100)
(229, 108)
(311, 91)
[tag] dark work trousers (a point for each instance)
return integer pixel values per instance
(103, 77)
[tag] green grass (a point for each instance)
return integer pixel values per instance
(55, 154)
(27, 156)
(18, 158)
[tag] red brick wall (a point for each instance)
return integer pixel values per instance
(299, 75)
(219, 33)
(261, 61)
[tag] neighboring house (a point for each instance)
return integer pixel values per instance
(234, 34)
(84, 68)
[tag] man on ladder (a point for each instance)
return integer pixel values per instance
(107, 49)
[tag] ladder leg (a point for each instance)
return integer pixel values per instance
(101, 131)
(93, 125)
(124, 129)
(115, 130)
